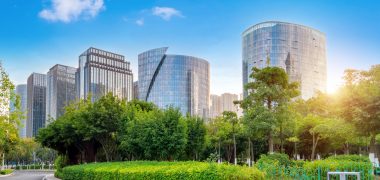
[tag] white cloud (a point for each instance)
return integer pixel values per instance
(140, 21)
(166, 13)
(68, 10)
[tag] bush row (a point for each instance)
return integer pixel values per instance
(159, 170)
(276, 165)
(24, 167)
(6, 171)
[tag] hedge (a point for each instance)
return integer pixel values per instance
(159, 170)
(355, 158)
(321, 167)
(6, 171)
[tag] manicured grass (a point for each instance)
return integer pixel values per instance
(6, 171)
(145, 170)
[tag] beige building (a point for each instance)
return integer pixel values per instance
(224, 102)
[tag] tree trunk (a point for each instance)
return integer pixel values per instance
(235, 159)
(315, 143)
(346, 148)
(270, 143)
(281, 140)
(372, 145)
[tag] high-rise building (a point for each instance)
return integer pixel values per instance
(101, 72)
(299, 50)
(60, 90)
(215, 106)
(224, 102)
(36, 103)
(135, 90)
(174, 80)
(22, 91)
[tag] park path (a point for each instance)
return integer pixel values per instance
(27, 175)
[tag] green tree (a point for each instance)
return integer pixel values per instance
(9, 121)
(196, 137)
(269, 91)
(359, 102)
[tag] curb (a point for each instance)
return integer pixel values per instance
(50, 177)
(11, 174)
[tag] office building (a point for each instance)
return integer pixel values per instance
(36, 103)
(174, 80)
(60, 90)
(299, 50)
(101, 72)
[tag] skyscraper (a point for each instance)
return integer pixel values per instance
(299, 50)
(22, 91)
(174, 80)
(101, 72)
(36, 103)
(60, 90)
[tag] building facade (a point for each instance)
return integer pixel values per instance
(101, 72)
(298, 49)
(60, 90)
(174, 80)
(36, 103)
(22, 91)
(224, 102)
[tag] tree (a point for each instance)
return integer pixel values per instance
(360, 99)
(9, 121)
(269, 91)
(232, 118)
(196, 134)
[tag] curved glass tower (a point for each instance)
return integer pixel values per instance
(298, 49)
(174, 80)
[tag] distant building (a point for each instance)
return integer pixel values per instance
(224, 102)
(299, 50)
(60, 90)
(22, 91)
(101, 72)
(174, 80)
(36, 103)
(135, 90)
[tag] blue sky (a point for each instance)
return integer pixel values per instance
(37, 34)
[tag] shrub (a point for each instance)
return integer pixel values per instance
(6, 171)
(277, 159)
(355, 158)
(159, 170)
(321, 167)
(59, 163)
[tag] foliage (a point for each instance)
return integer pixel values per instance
(355, 158)
(196, 137)
(274, 159)
(269, 94)
(6, 171)
(159, 170)
(321, 167)
(9, 120)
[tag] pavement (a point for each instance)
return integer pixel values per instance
(30, 175)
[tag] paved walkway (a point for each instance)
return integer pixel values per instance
(28, 175)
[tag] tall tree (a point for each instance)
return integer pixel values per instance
(269, 91)
(360, 99)
(9, 121)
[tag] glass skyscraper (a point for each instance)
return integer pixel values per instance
(174, 80)
(298, 49)
(101, 72)
(36, 103)
(22, 91)
(60, 90)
